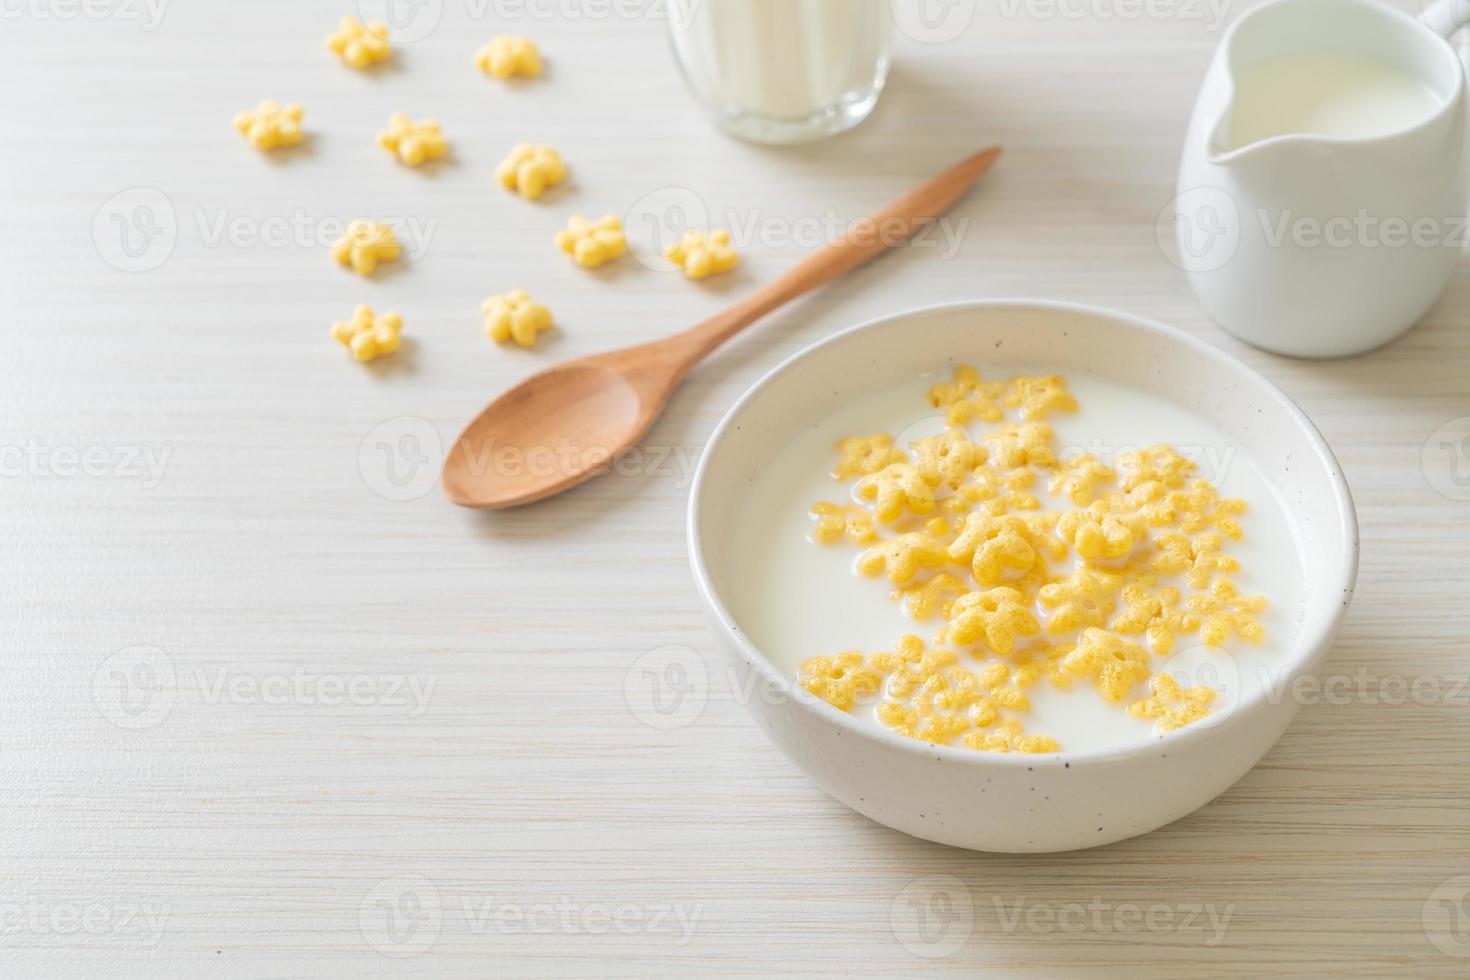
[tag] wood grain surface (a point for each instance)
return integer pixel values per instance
(271, 707)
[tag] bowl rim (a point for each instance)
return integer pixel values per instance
(1309, 648)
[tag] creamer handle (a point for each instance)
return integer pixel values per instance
(1446, 17)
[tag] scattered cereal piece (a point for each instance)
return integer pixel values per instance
(968, 397)
(1223, 611)
(1038, 397)
(369, 335)
(1157, 462)
(270, 126)
(1154, 613)
(895, 489)
(504, 56)
(593, 243)
(995, 545)
(1079, 477)
(932, 597)
(949, 459)
(1085, 598)
(865, 455)
(701, 256)
(902, 557)
(365, 245)
(1197, 559)
(530, 169)
(360, 45)
(838, 521)
(1022, 444)
(1009, 738)
(998, 616)
(1173, 706)
(515, 316)
(841, 680)
(1100, 535)
(1113, 664)
(413, 143)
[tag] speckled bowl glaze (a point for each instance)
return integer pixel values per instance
(1026, 803)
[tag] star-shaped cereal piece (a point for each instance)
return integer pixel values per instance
(1037, 397)
(369, 335)
(969, 397)
(1098, 534)
(1223, 611)
(837, 521)
(910, 652)
(994, 491)
(504, 57)
(515, 316)
(1154, 612)
(701, 255)
(413, 143)
(995, 545)
(932, 597)
(1112, 663)
(865, 455)
(530, 169)
(841, 680)
(1171, 705)
(365, 245)
(1022, 444)
(1083, 599)
(902, 557)
(360, 45)
(1197, 559)
(1158, 463)
(1079, 478)
(593, 243)
(1009, 736)
(947, 459)
(1200, 508)
(998, 616)
(1041, 660)
(270, 126)
(896, 489)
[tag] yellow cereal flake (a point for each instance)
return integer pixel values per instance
(1171, 705)
(932, 597)
(1079, 479)
(1022, 444)
(1083, 599)
(968, 397)
(1041, 661)
(369, 335)
(1201, 508)
(270, 126)
(895, 490)
(701, 255)
(1196, 559)
(593, 243)
(413, 143)
(1223, 611)
(834, 522)
(365, 245)
(997, 616)
(1009, 737)
(1038, 397)
(515, 316)
(1156, 463)
(504, 57)
(902, 557)
(1113, 664)
(841, 680)
(530, 169)
(360, 45)
(1156, 613)
(865, 455)
(1098, 534)
(948, 459)
(995, 546)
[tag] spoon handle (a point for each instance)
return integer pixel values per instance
(864, 241)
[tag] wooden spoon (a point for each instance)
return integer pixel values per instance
(567, 424)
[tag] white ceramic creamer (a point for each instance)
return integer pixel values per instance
(1322, 193)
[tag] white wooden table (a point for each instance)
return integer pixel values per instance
(272, 707)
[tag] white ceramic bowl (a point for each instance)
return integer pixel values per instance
(1020, 803)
